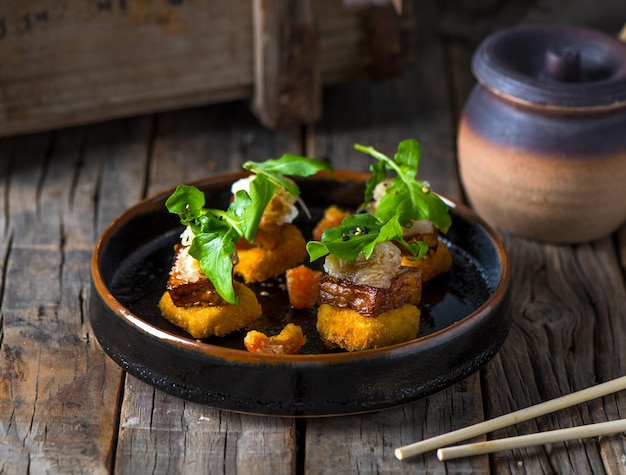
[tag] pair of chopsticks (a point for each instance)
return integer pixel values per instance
(444, 452)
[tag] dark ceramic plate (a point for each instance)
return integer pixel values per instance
(465, 319)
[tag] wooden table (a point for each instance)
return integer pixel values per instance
(65, 407)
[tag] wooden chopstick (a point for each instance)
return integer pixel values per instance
(539, 438)
(505, 420)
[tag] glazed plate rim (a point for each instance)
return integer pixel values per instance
(301, 362)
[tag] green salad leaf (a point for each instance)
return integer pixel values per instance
(216, 232)
(275, 170)
(187, 202)
(405, 200)
(214, 251)
(406, 196)
(260, 193)
(360, 233)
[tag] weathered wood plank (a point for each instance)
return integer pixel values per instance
(365, 443)
(162, 434)
(121, 150)
(196, 143)
(621, 244)
(568, 333)
(168, 434)
(287, 72)
(66, 64)
(76, 64)
(58, 390)
(415, 105)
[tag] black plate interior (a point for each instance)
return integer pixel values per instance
(139, 278)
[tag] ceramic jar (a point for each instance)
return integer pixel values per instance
(542, 138)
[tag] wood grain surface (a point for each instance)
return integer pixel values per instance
(65, 407)
(66, 63)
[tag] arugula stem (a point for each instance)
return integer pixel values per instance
(379, 156)
(223, 215)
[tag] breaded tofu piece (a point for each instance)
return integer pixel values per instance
(202, 321)
(265, 258)
(437, 260)
(345, 328)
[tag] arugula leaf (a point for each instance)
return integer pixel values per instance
(261, 192)
(405, 199)
(275, 170)
(406, 196)
(217, 232)
(348, 239)
(214, 251)
(409, 153)
(379, 173)
(187, 202)
(360, 233)
(392, 230)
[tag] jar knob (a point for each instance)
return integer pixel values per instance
(562, 64)
(555, 65)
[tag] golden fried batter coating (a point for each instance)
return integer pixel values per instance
(436, 261)
(260, 262)
(289, 341)
(344, 328)
(203, 321)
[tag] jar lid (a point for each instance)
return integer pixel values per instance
(554, 65)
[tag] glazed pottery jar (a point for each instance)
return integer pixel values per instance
(542, 139)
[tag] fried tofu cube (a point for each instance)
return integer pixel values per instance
(202, 321)
(258, 263)
(437, 261)
(344, 328)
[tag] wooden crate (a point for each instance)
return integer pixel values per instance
(65, 63)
